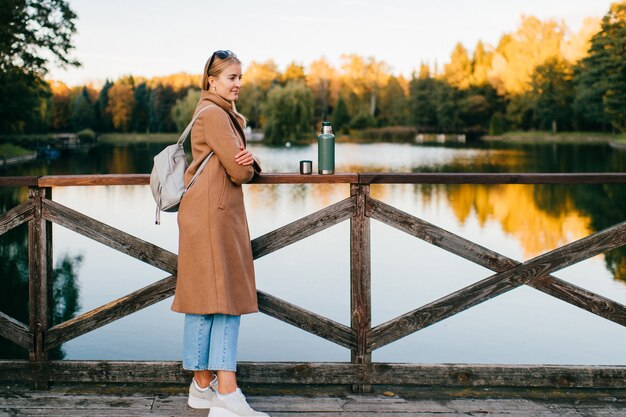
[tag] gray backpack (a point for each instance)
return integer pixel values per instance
(167, 179)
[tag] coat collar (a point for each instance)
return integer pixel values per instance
(228, 108)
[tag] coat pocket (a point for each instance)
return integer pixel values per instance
(222, 199)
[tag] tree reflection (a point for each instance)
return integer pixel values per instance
(14, 275)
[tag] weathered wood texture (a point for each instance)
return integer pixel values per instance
(171, 400)
(40, 274)
(110, 312)
(16, 216)
(480, 255)
(15, 331)
(302, 228)
(110, 236)
(328, 373)
(497, 284)
(167, 401)
(493, 178)
(306, 320)
(360, 279)
(87, 180)
(18, 181)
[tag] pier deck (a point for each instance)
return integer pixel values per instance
(170, 400)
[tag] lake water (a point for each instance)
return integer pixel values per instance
(519, 221)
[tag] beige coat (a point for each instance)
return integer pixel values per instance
(215, 269)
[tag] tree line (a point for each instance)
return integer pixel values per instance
(539, 77)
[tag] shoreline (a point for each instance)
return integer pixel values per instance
(590, 138)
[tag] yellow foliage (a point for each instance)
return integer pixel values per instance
(518, 54)
(121, 102)
(261, 74)
(578, 44)
(515, 208)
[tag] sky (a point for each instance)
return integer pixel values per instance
(162, 37)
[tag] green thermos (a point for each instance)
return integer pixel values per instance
(326, 150)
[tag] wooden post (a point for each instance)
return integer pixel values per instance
(39, 281)
(360, 281)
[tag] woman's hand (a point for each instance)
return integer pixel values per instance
(244, 157)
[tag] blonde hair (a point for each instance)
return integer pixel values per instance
(217, 67)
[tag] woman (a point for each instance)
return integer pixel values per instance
(215, 284)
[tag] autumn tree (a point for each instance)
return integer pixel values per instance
(121, 102)
(289, 112)
(104, 123)
(518, 54)
(294, 72)
(362, 81)
(258, 78)
(322, 81)
(458, 71)
(481, 63)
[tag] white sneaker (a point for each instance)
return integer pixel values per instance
(201, 399)
(233, 405)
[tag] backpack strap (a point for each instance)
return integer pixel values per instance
(187, 130)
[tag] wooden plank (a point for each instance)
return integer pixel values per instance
(437, 236)
(297, 178)
(38, 273)
(306, 320)
(360, 280)
(581, 298)
(110, 312)
(25, 181)
(497, 284)
(16, 216)
(325, 373)
(40, 300)
(492, 178)
(110, 236)
(480, 255)
(90, 180)
(302, 228)
(144, 179)
(15, 331)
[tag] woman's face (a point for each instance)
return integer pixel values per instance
(228, 83)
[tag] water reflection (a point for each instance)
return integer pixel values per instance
(536, 218)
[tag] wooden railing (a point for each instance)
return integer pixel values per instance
(38, 336)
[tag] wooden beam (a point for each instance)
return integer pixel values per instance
(581, 298)
(360, 280)
(96, 179)
(594, 303)
(493, 178)
(302, 228)
(332, 373)
(110, 236)
(497, 284)
(297, 178)
(437, 236)
(16, 216)
(110, 312)
(40, 299)
(15, 331)
(303, 319)
(26, 181)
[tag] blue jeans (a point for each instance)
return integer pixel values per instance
(210, 342)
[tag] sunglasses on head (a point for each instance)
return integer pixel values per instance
(222, 54)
